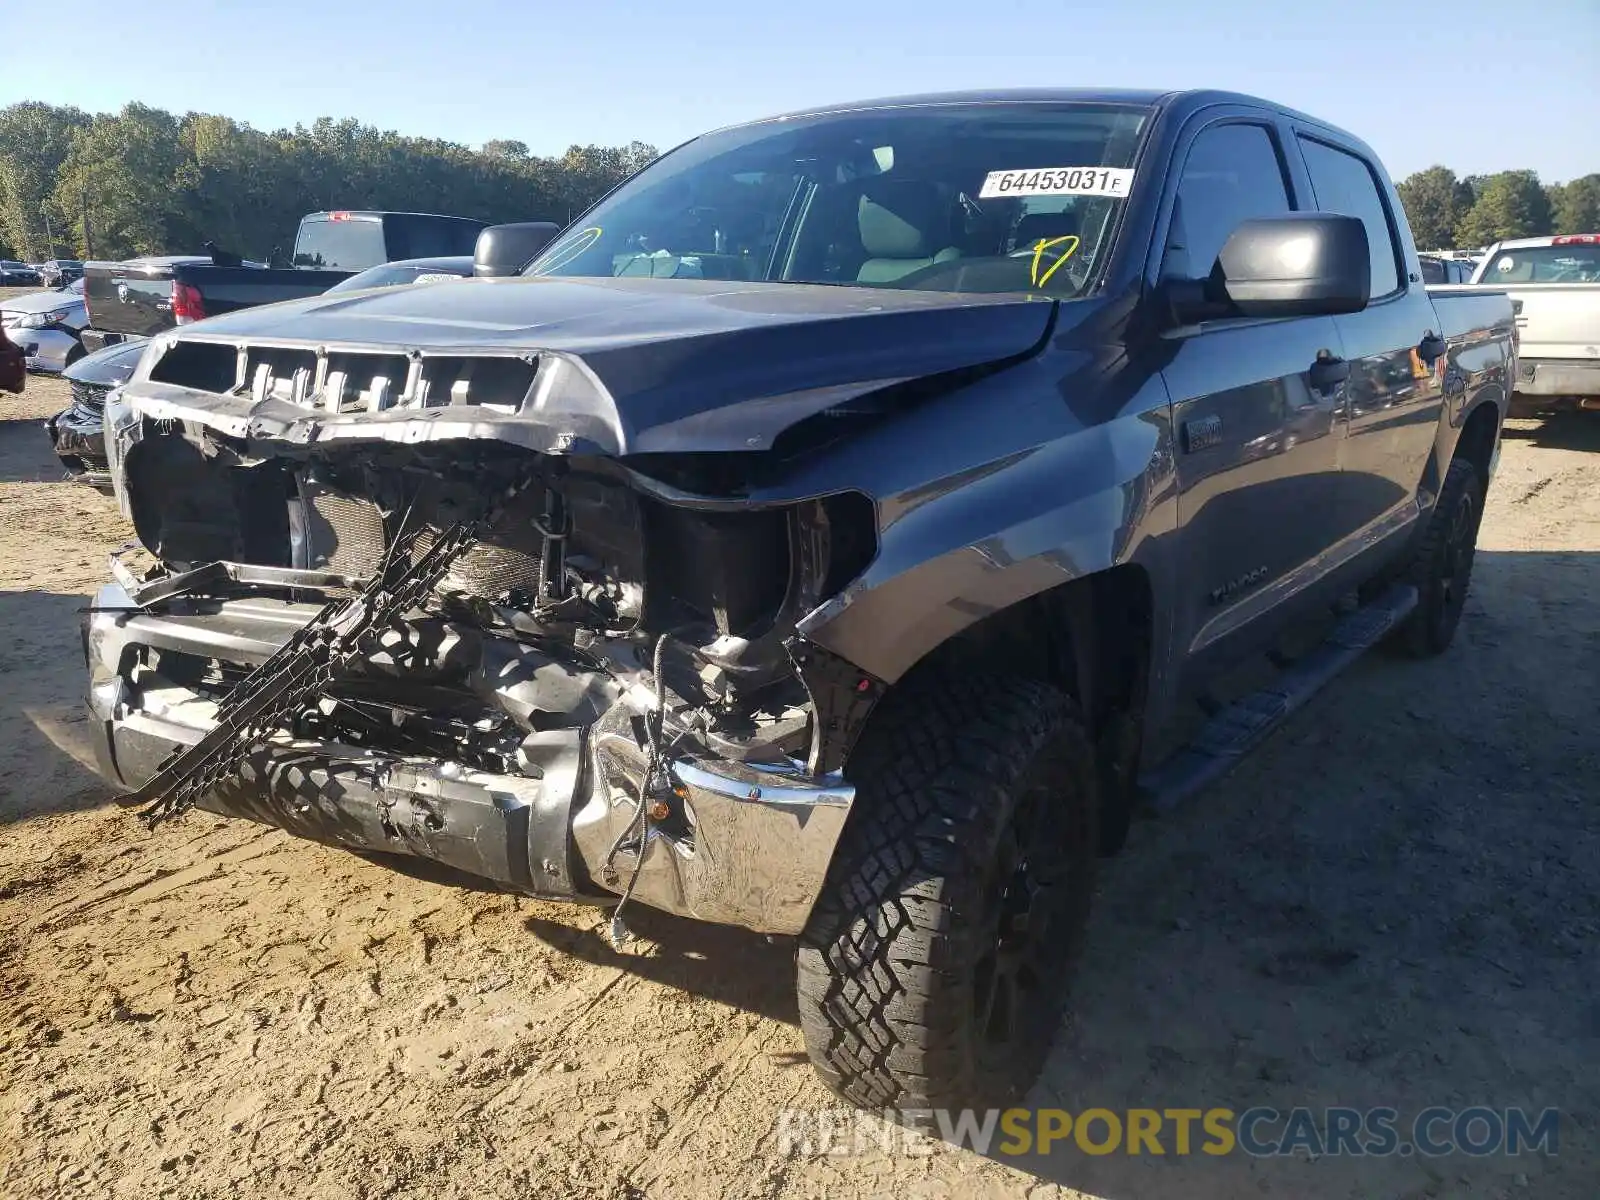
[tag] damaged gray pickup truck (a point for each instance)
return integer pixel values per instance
(813, 535)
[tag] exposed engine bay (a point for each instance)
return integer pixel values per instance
(579, 632)
(576, 564)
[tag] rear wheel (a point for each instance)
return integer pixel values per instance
(1442, 569)
(933, 970)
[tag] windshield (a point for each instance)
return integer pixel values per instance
(1006, 197)
(1573, 263)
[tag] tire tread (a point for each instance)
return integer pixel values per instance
(886, 946)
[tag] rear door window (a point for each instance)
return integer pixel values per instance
(1344, 184)
(1233, 173)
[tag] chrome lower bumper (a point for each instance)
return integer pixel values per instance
(1559, 377)
(745, 845)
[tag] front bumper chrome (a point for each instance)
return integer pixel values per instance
(747, 845)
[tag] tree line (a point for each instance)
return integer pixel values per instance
(145, 181)
(1447, 213)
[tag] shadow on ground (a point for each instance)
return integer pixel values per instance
(1558, 431)
(735, 967)
(46, 751)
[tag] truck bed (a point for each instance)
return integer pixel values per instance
(1558, 330)
(1470, 313)
(131, 300)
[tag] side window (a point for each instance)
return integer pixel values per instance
(1344, 184)
(1232, 174)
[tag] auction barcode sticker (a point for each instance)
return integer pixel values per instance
(1058, 181)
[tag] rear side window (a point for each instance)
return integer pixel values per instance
(430, 237)
(1345, 185)
(1233, 174)
(348, 245)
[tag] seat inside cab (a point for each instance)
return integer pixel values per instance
(904, 225)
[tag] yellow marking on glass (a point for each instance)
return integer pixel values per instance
(560, 255)
(1038, 255)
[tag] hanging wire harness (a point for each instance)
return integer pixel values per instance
(301, 670)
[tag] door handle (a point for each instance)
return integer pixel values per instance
(1431, 347)
(1328, 372)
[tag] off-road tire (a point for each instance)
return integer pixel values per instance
(1442, 569)
(950, 777)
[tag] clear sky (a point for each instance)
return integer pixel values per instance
(1475, 85)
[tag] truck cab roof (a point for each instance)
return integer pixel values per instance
(1557, 239)
(371, 214)
(1182, 101)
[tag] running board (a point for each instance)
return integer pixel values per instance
(1242, 726)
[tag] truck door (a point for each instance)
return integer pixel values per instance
(1394, 392)
(1254, 408)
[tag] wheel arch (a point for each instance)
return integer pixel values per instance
(1092, 638)
(1479, 434)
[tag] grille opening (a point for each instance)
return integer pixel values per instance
(189, 509)
(192, 670)
(90, 396)
(358, 382)
(502, 382)
(279, 374)
(205, 366)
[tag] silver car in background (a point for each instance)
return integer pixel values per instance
(46, 325)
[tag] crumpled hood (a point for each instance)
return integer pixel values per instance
(645, 365)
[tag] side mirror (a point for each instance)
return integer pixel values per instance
(1296, 265)
(506, 249)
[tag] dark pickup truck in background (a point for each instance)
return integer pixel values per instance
(141, 297)
(829, 534)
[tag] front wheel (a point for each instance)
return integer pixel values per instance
(1442, 569)
(933, 971)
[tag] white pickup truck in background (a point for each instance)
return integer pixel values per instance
(1554, 283)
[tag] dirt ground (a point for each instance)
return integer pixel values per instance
(1395, 903)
